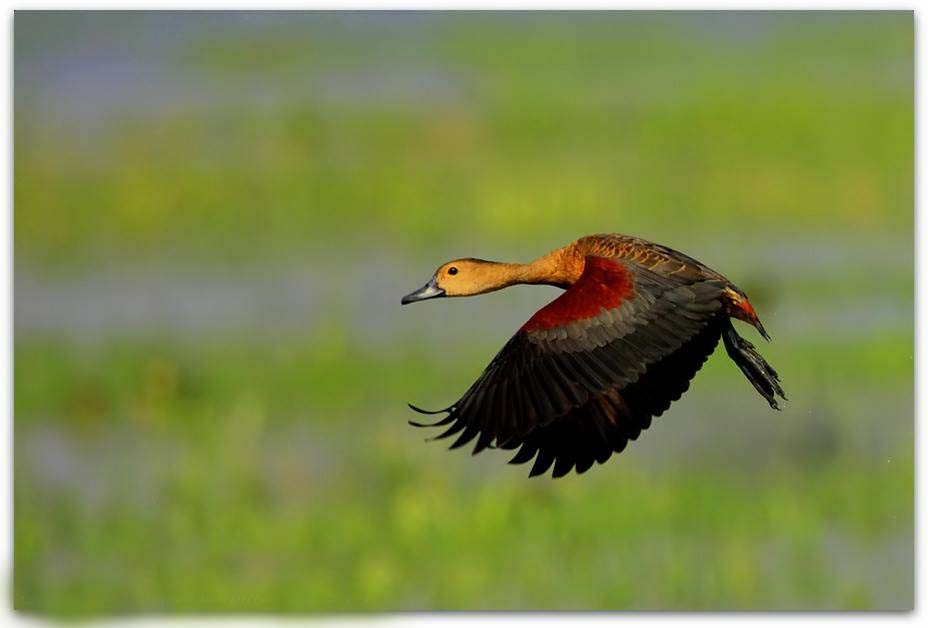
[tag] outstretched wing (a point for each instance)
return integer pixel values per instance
(588, 371)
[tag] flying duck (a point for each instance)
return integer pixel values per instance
(589, 370)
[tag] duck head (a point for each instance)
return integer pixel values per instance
(461, 278)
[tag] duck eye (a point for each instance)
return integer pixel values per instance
(453, 270)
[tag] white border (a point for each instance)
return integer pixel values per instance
(429, 619)
(688, 5)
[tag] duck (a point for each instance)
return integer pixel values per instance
(589, 371)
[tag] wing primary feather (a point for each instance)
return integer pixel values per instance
(486, 437)
(542, 463)
(586, 373)
(443, 421)
(555, 388)
(563, 465)
(540, 400)
(487, 412)
(565, 444)
(454, 429)
(508, 427)
(421, 411)
(574, 390)
(526, 453)
(583, 464)
(466, 436)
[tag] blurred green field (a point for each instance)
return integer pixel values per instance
(216, 215)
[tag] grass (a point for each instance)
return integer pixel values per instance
(222, 533)
(542, 131)
(286, 488)
(106, 385)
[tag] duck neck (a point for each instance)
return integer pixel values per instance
(559, 268)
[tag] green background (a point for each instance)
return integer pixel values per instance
(215, 218)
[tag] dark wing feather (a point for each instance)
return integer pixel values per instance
(580, 379)
(604, 426)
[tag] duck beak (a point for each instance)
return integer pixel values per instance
(428, 291)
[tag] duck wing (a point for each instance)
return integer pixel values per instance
(589, 370)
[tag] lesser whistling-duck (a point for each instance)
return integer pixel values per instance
(587, 372)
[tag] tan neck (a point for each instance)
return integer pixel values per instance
(560, 268)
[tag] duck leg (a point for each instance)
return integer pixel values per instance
(763, 376)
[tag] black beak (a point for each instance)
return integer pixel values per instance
(428, 291)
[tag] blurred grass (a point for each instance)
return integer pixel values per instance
(287, 480)
(333, 374)
(403, 539)
(499, 130)
(234, 471)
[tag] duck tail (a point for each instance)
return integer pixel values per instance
(763, 376)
